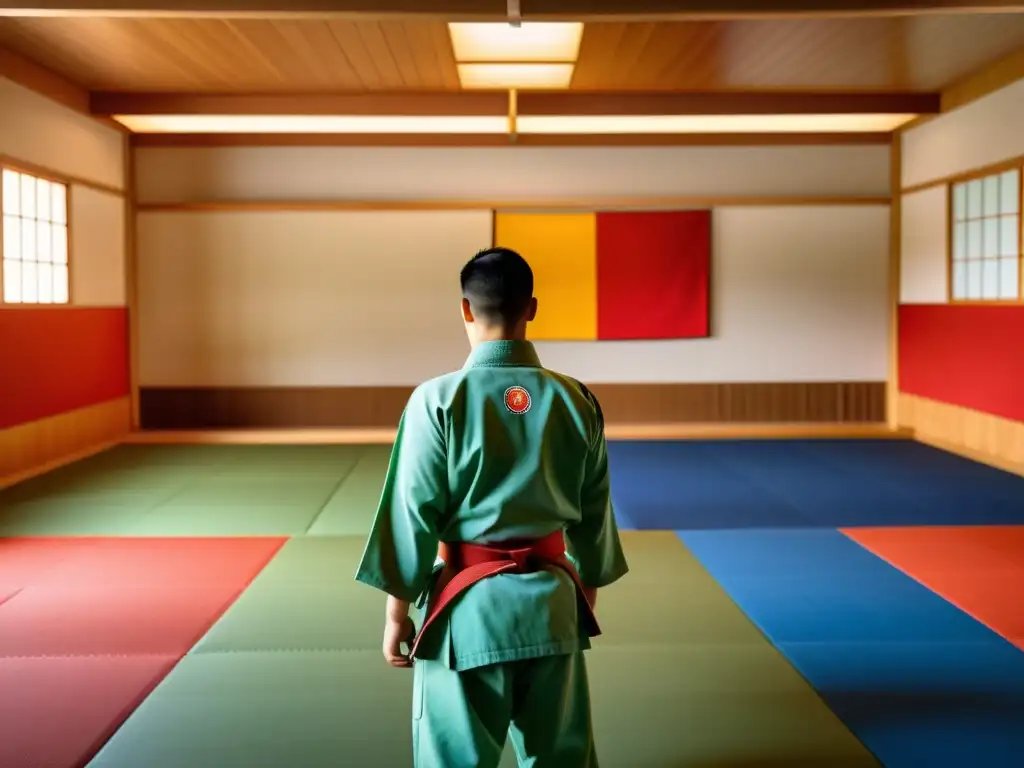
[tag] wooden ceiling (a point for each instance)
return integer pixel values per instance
(924, 53)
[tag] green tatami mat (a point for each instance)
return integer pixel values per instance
(351, 509)
(667, 598)
(98, 495)
(703, 687)
(304, 599)
(197, 490)
(256, 460)
(271, 710)
(712, 706)
(722, 706)
(69, 516)
(230, 504)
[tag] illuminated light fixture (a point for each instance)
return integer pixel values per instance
(346, 124)
(509, 76)
(683, 124)
(529, 42)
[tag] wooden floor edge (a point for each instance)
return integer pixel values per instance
(982, 457)
(50, 466)
(386, 435)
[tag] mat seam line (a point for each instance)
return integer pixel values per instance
(332, 494)
(781, 654)
(997, 635)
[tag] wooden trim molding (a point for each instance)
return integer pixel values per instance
(895, 258)
(981, 437)
(131, 280)
(44, 82)
(636, 404)
(50, 174)
(511, 140)
(535, 103)
(41, 446)
(386, 435)
(978, 85)
(974, 173)
(576, 204)
(28, 74)
(568, 10)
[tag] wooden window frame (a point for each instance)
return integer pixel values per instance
(35, 173)
(951, 185)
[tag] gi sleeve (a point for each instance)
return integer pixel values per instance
(594, 542)
(402, 546)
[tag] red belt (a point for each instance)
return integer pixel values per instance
(466, 564)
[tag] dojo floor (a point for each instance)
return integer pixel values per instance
(791, 604)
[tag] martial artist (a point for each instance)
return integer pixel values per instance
(496, 519)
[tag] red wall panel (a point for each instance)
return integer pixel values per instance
(653, 270)
(56, 360)
(972, 356)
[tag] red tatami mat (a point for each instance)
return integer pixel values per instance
(206, 563)
(57, 712)
(979, 569)
(83, 620)
(24, 561)
(90, 626)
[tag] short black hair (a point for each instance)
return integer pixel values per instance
(498, 283)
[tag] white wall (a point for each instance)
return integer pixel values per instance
(35, 130)
(506, 174)
(924, 238)
(984, 132)
(371, 298)
(302, 299)
(74, 148)
(97, 255)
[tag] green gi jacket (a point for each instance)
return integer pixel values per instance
(502, 449)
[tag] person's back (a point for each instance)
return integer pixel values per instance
(511, 456)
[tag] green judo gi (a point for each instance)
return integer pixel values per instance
(502, 449)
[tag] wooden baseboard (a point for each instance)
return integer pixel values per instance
(978, 436)
(385, 436)
(41, 446)
(304, 408)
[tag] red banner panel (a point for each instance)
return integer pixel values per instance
(54, 360)
(653, 275)
(972, 356)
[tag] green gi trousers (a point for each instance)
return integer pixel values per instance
(462, 719)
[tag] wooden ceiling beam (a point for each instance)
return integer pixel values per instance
(494, 103)
(419, 104)
(39, 79)
(28, 74)
(581, 10)
(724, 103)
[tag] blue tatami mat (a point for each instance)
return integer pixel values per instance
(774, 484)
(919, 682)
(671, 485)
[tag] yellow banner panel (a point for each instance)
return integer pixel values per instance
(562, 251)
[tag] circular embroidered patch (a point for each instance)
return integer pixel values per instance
(517, 400)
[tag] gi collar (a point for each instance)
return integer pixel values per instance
(503, 354)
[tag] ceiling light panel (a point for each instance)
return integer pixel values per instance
(285, 124)
(509, 76)
(682, 124)
(529, 42)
